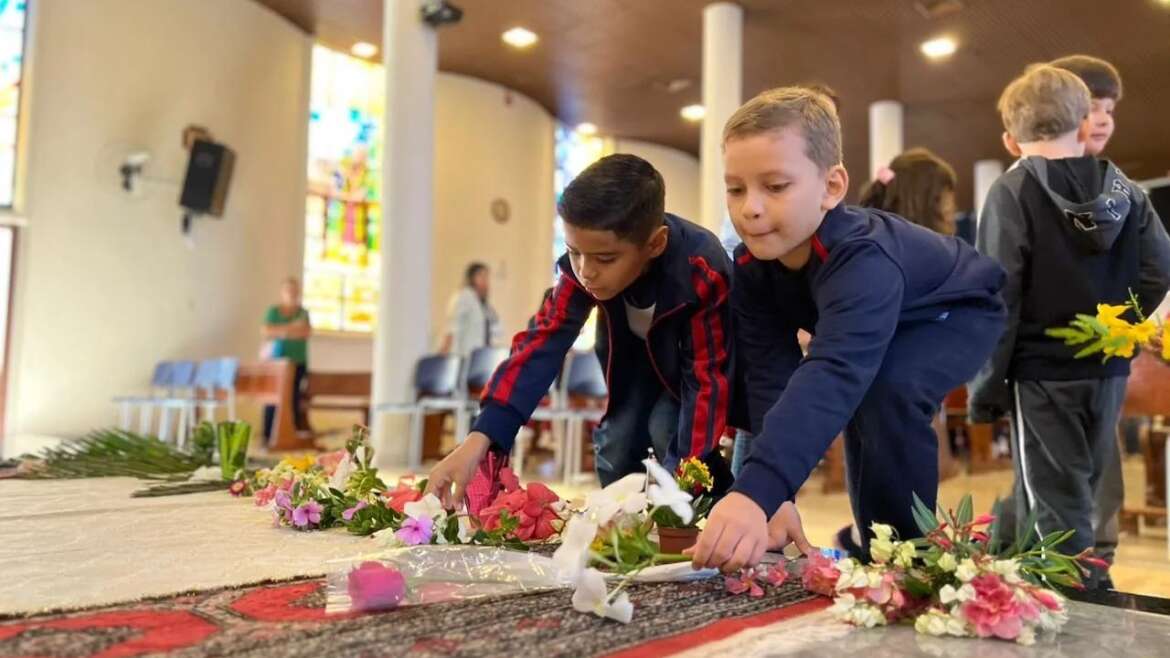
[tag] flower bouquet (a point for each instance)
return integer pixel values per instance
(959, 579)
(1111, 335)
(693, 478)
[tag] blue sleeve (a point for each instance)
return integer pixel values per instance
(858, 294)
(523, 379)
(767, 350)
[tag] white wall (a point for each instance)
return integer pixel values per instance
(106, 285)
(679, 169)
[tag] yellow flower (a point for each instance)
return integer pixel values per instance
(1142, 333)
(1123, 350)
(694, 476)
(1110, 315)
(299, 464)
(1166, 341)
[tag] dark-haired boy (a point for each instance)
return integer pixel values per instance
(663, 336)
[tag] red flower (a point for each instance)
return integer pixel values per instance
(820, 575)
(532, 507)
(1095, 561)
(983, 519)
(238, 487)
(509, 480)
(396, 499)
(995, 610)
(777, 573)
(980, 537)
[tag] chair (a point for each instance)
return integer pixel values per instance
(574, 402)
(159, 383)
(436, 387)
(180, 393)
(482, 362)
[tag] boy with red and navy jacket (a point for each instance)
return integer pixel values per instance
(662, 286)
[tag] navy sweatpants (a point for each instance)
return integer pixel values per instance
(891, 449)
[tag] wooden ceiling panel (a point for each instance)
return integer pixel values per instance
(609, 61)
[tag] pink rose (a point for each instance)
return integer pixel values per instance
(330, 460)
(820, 575)
(994, 611)
(375, 586)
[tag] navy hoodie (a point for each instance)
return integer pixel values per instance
(688, 343)
(869, 272)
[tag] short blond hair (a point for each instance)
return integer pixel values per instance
(810, 111)
(1043, 103)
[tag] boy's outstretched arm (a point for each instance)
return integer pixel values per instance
(1003, 235)
(1154, 250)
(516, 387)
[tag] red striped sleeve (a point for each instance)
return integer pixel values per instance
(552, 315)
(709, 340)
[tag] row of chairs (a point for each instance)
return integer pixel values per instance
(448, 384)
(190, 390)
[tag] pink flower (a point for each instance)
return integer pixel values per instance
(777, 573)
(396, 499)
(1047, 599)
(283, 500)
(742, 582)
(983, 519)
(994, 611)
(330, 460)
(374, 586)
(820, 575)
(348, 514)
(1095, 561)
(264, 496)
(532, 507)
(509, 480)
(980, 537)
(416, 531)
(307, 514)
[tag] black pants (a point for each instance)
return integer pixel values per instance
(299, 418)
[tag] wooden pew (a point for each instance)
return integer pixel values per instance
(345, 391)
(1148, 394)
(271, 382)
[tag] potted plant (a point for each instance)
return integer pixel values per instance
(674, 533)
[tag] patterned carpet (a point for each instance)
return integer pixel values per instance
(288, 619)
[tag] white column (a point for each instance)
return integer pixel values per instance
(986, 171)
(885, 134)
(402, 333)
(722, 95)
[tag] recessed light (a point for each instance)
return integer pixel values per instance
(363, 49)
(939, 48)
(587, 128)
(519, 37)
(693, 113)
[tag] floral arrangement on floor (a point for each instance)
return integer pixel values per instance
(612, 532)
(1111, 335)
(693, 477)
(957, 580)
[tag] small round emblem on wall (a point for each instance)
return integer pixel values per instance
(501, 210)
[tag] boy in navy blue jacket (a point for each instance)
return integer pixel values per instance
(663, 337)
(899, 316)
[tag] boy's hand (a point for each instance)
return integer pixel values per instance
(736, 535)
(457, 469)
(785, 528)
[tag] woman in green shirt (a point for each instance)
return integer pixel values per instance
(286, 333)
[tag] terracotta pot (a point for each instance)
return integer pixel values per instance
(674, 540)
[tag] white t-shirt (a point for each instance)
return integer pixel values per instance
(639, 318)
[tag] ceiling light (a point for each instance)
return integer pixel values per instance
(693, 113)
(519, 37)
(363, 49)
(587, 128)
(939, 48)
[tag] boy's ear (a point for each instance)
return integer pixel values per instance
(1084, 130)
(1011, 145)
(836, 187)
(657, 241)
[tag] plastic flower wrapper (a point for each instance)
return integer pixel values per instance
(435, 574)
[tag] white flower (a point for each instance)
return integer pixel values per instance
(341, 474)
(956, 626)
(665, 492)
(1027, 636)
(387, 538)
(904, 554)
(573, 553)
(625, 496)
(465, 530)
(591, 596)
(881, 550)
(429, 506)
(932, 622)
(853, 575)
(843, 604)
(866, 616)
(966, 570)
(947, 562)
(1009, 569)
(882, 531)
(948, 594)
(359, 455)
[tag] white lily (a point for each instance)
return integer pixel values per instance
(429, 506)
(573, 553)
(665, 492)
(591, 596)
(341, 474)
(625, 496)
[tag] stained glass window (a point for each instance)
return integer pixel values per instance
(12, 14)
(343, 210)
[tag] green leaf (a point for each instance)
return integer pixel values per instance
(966, 511)
(923, 516)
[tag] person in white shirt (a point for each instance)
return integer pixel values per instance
(471, 321)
